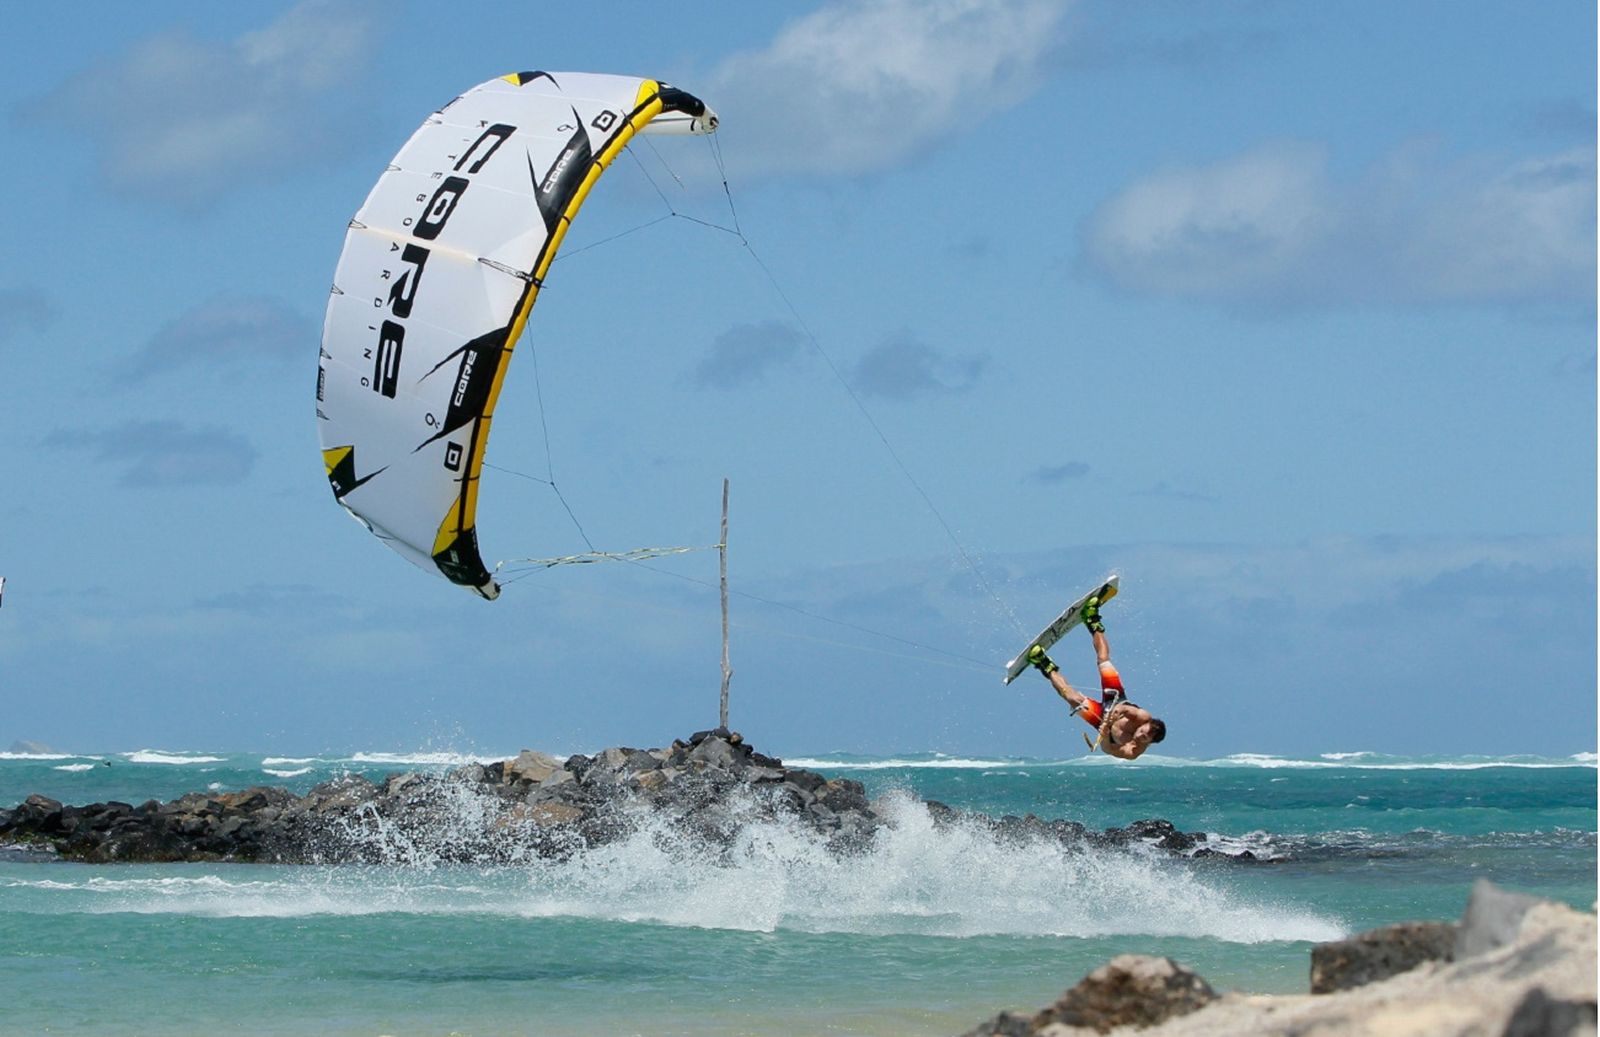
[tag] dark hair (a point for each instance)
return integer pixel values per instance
(1158, 730)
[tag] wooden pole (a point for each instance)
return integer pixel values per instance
(722, 552)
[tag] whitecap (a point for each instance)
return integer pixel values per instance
(424, 759)
(74, 767)
(1468, 765)
(1265, 761)
(287, 774)
(939, 762)
(1379, 762)
(173, 759)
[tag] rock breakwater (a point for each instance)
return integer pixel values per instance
(708, 788)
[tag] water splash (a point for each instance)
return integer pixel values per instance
(916, 876)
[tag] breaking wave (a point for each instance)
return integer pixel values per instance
(171, 759)
(914, 877)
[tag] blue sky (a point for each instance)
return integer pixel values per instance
(1285, 311)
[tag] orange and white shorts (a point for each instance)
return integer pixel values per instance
(1110, 691)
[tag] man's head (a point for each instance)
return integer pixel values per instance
(1147, 734)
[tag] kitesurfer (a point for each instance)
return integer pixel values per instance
(1125, 730)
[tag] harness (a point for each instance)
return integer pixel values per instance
(1107, 706)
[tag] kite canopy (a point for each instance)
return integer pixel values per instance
(440, 269)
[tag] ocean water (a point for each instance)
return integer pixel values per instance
(929, 932)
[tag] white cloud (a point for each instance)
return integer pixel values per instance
(745, 353)
(902, 369)
(1524, 231)
(163, 453)
(860, 85)
(1215, 229)
(224, 333)
(181, 120)
(1274, 226)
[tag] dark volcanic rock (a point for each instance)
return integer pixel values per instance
(703, 792)
(1006, 1024)
(1129, 990)
(39, 813)
(1378, 954)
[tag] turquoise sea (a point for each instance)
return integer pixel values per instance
(930, 932)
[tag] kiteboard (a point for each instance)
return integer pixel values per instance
(1068, 619)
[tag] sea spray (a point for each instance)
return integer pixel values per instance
(920, 875)
(923, 872)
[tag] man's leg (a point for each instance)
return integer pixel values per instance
(1102, 648)
(1081, 705)
(1110, 680)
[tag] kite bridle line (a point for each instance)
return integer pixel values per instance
(972, 565)
(638, 554)
(519, 569)
(922, 651)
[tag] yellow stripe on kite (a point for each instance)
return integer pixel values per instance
(648, 105)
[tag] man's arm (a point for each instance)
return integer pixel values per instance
(1121, 752)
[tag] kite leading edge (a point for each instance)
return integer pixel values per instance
(440, 269)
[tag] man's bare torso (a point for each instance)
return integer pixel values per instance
(1125, 719)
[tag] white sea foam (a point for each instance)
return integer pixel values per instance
(1470, 765)
(1356, 760)
(937, 762)
(1265, 761)
(286, 761)
(1259, 842)
(287, 774)
(1465, 765)
(314, 892)
(914, 878)
(74, 767)
(37, 756)
(172, 759)
(424, 759)
(1378, 762)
